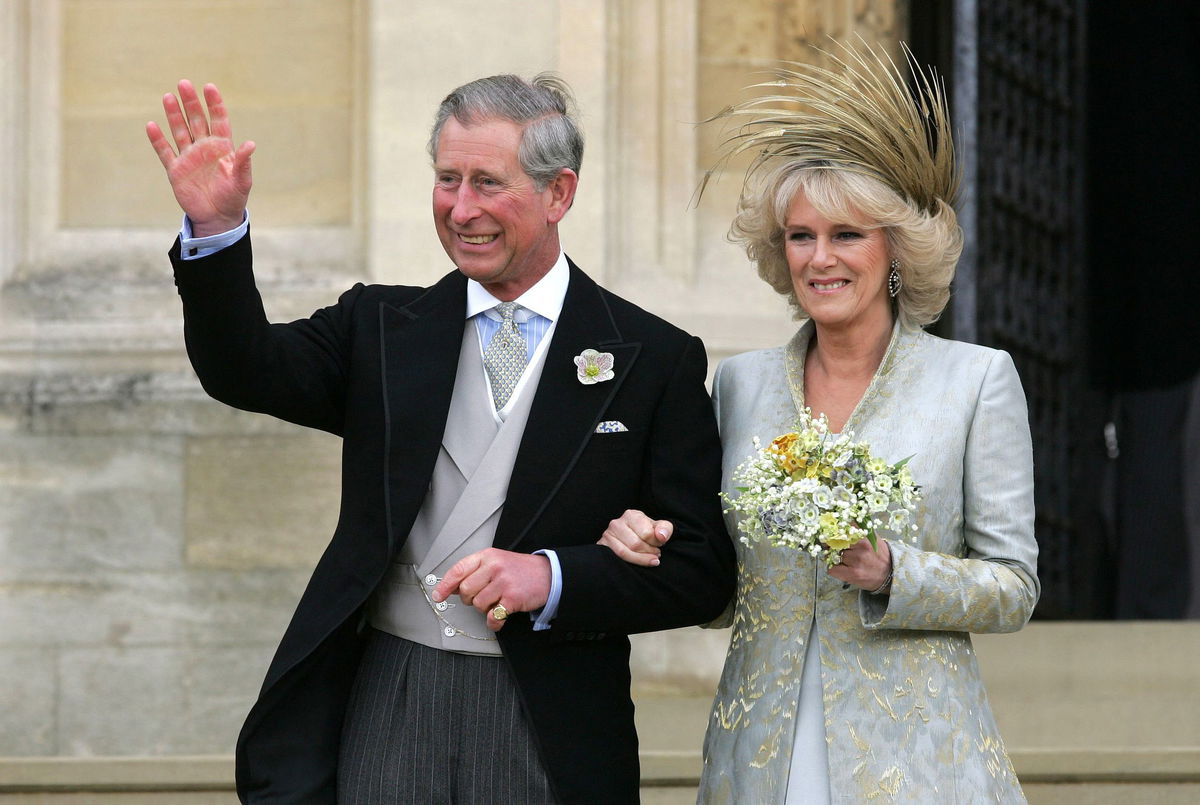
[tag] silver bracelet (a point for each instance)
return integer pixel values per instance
(886, 583)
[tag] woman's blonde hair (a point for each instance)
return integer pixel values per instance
(925, 244)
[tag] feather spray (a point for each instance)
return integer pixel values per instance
(860, 116)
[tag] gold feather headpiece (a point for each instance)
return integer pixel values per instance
(859, 116)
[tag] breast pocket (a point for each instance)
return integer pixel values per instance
(607, 441)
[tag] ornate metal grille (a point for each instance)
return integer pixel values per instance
(1028, 269)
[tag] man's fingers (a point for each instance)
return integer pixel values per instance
(158, 141)
(193, 109)
(494, 623)
(486, 599)
(241, 166)
(491, 575)
(452, 580)
(217, 114)
(176, 123)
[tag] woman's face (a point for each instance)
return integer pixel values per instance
(839, 271)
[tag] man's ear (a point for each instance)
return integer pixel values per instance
(562, 194)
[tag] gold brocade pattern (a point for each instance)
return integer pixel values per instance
(906, 715)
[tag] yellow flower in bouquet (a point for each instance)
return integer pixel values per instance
(783, 448)
(834, 536)
(793, 452)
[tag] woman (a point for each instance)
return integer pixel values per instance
(859, 683)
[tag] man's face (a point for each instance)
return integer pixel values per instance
(496, 226)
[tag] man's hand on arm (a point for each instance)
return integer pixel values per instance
(211, 178)
(518, 581)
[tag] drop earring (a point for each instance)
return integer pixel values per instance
(894, 281)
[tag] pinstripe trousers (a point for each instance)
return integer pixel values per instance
(429, 726)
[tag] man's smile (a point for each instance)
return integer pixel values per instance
(477, 239)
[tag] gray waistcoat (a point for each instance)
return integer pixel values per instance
(460, 512)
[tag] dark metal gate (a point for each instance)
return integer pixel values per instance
(1015, 68)
(1029, 271)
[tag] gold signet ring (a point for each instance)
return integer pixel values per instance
(499, 612)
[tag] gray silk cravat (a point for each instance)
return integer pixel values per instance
(505, 356)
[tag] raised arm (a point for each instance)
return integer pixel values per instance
(211, 178)
(296, 371)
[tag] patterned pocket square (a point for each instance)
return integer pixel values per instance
(611, 426)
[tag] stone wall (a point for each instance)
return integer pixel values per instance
(152, 542)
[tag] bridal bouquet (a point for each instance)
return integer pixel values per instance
(820, 494)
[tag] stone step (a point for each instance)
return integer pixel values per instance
(1050, 777)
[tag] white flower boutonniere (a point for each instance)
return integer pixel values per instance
(594, 367)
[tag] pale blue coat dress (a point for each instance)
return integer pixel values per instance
(902, 712)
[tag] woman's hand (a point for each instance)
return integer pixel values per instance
(636, 538)
(864, 566)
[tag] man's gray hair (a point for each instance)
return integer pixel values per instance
(544, 106)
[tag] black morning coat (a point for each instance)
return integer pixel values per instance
(378, 369)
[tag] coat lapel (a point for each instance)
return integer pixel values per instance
(419, 347)
(565, 412)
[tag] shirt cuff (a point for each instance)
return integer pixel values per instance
(191, 248)
(543, 616)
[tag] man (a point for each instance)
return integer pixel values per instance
(486, 447)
